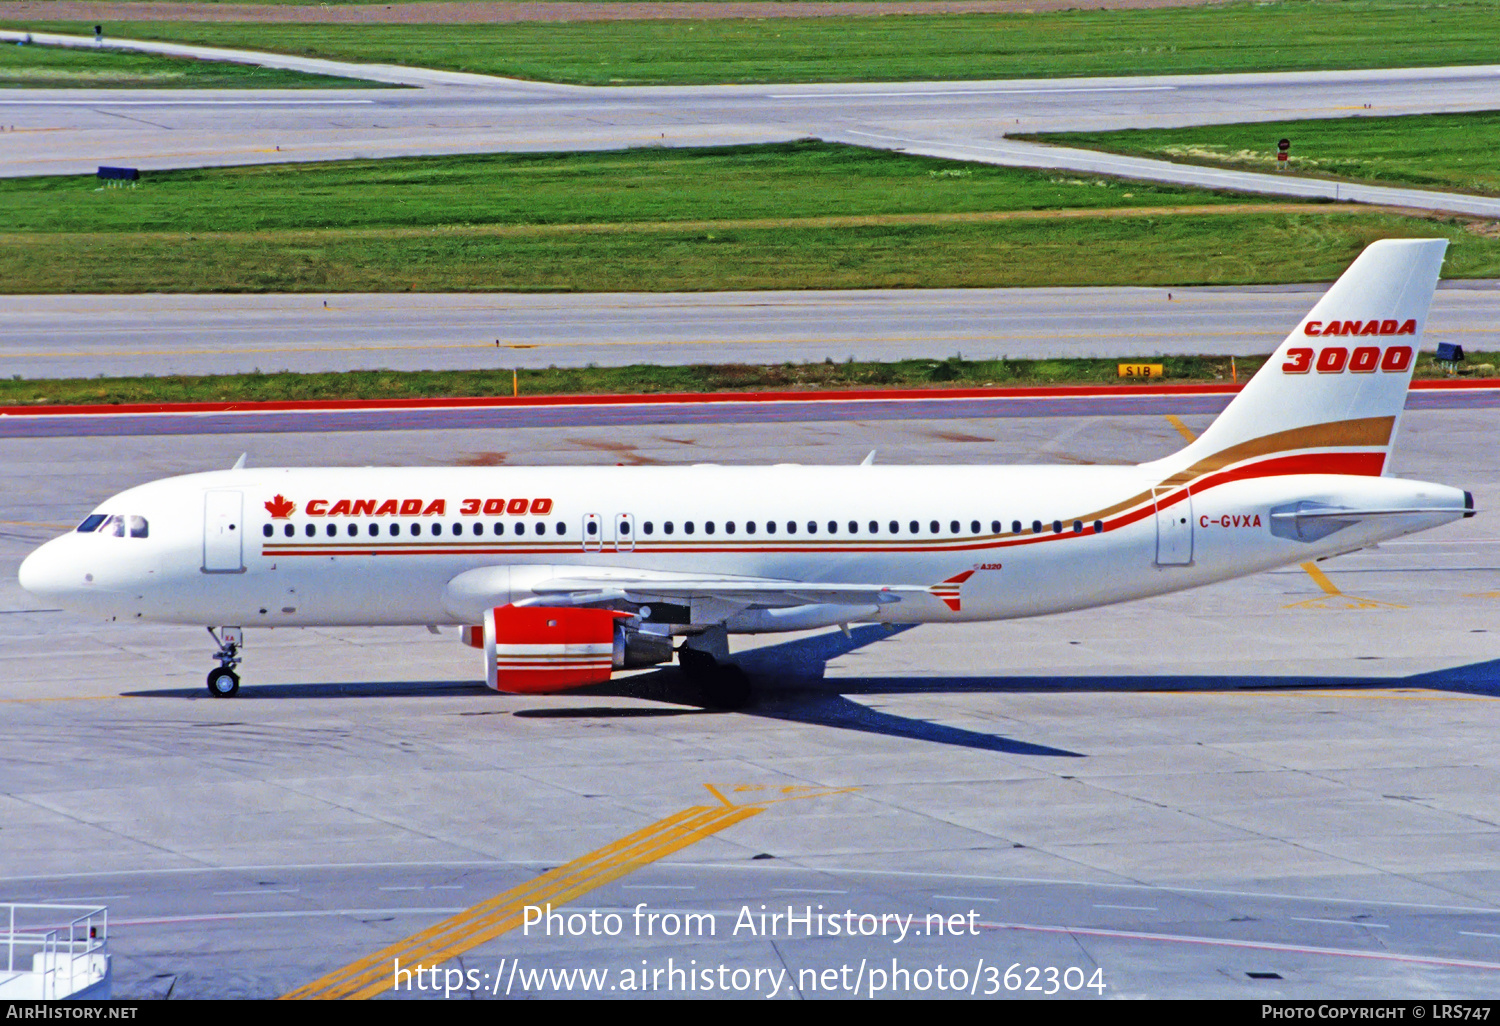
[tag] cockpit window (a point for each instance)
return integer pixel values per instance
(117, 525)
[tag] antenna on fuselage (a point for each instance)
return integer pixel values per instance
(868, 461)
(239, 464)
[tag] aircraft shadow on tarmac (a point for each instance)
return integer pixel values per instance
(791, 684)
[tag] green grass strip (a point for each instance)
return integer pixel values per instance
(62, 67)
(796, 216)
(645, 186)
(954, 372)
(1263, 36)
(1182, 249)
(1448, 152)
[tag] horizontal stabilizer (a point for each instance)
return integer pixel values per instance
(1353, 515)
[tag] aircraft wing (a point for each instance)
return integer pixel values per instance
(587, 589)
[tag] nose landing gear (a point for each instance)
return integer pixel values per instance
(223, 682)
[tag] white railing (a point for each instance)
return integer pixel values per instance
(53, 952)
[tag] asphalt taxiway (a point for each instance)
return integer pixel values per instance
(1278, 787)
(84, 336)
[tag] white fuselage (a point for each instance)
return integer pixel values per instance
(380, 546)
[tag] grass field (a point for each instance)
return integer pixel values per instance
(644, 379)
(58, 67)
(1263, 36)
(658, 185)
(1180, 249)
(801, 215)
(1451, 152)
(806, 215)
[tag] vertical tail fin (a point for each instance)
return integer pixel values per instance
(1329, 399)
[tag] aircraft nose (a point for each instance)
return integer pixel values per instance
(45, 573)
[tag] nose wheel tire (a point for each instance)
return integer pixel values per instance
(223, 683)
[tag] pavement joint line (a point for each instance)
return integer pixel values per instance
(1357, 691)
(457, 934)
(1170, 938)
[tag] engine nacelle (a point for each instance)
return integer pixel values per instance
(531, 649)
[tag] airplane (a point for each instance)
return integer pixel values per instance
(563, 576)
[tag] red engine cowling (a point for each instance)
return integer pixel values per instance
(529, 649)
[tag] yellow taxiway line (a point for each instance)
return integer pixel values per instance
(1320, 579)
(1182, 429)
(459, 933)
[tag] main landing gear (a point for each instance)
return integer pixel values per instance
(704, 659)
(223, 682)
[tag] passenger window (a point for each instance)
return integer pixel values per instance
(478, 528)
(499, 527)
(812, 527)
(791, 527)
(562, 528)
(436, 529)
(729, 527)
(540, 527)
(953, 527)
(310, 531)
(687, 528)
(895, 527)
(267, 530)
(833, 527)
(353, 530)
(708, 528)
(1057, 527)
(750, 527)
(92, 522)
(624, 527)
(332, 531)
(1078, 527)
(770, 527)
(648, 527)
(1098, 527)
(973, 527)
(916, 528)
(853, 527)
(1015, 527)
(593, 528)
(520, 528)
(287, 530)
(874, 527)
(995, 527)
(934, 527)
(667, 527)
(374, 529)
(1036, 527)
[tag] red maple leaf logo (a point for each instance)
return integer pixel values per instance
(280, 508)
